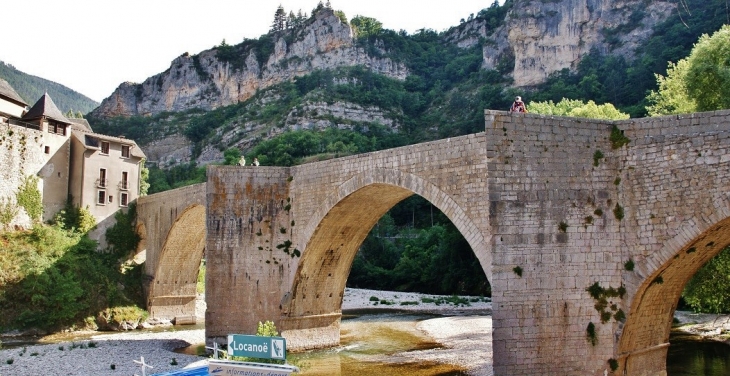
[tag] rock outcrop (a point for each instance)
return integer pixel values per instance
(537, 38)
(542, 37)
(204, 81)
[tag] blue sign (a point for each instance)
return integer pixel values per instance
(257, 346)
(229, 367)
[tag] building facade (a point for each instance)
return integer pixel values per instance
(67, 161)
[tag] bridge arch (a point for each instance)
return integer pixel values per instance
(342, 222)
(172, 292)
(658, 282)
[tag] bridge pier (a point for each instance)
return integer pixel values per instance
(651, 361)
(311, 332)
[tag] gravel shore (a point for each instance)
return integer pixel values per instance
(464, 336)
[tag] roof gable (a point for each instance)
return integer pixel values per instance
(46, 108)
(8, 92)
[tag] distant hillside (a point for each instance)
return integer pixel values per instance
(31, 88)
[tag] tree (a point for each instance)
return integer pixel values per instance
(701, 82)
(231, 156)
(291, 20)
(672, 97)
(144, 179)
(709, 289)
(279, 20)
(708, 76)
(365, 27)
(577, 108)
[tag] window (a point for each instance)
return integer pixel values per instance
(124, 184)
(101, 200)
(125, 151)
(47, 149)
(123, 199)
(111, 199)
(101, 182)
(104, 147)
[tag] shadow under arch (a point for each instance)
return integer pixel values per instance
(172, 293)
(337, 230)
(659, 281)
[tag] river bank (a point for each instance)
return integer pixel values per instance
(464, 332)
(114, 353)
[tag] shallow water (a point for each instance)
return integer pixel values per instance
(366, 343)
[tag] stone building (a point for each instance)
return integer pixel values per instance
(97, 172)
(105, 174)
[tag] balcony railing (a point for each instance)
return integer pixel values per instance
(124, 185)
(102, 183)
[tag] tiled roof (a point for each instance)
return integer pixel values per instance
(80, 124)
(7, 91)
(91, 141)
(46, 107)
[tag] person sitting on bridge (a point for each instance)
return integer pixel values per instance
(518, 105)
(242, 161)
(255, 162)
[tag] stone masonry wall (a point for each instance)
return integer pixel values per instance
(674, 189)
(21, 154)
(248, 229)
(159, 212)
(543, 187)
(546, 184)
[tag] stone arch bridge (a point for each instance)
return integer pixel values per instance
(606, 236)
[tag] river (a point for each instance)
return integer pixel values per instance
(380, 343)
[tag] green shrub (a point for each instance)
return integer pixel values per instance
(29, 197)
(617, 138)
(597, 155)
(591, 333)
(53, 278)
(629, 265)
(266, 329)
(8, 211)
(122, 237)
(613, 363)
(618, 212)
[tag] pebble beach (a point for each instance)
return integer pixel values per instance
(464, 330)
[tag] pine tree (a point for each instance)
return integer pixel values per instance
(328, 5)
(291, 21)
(279, 20)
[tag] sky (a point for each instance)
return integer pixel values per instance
(92, 46)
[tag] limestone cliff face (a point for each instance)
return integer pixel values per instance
(543, 37)
(206, 82)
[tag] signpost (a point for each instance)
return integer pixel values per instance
(257, 346)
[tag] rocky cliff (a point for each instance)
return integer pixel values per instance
(205, 81)
(536, 39)
(542, 37)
